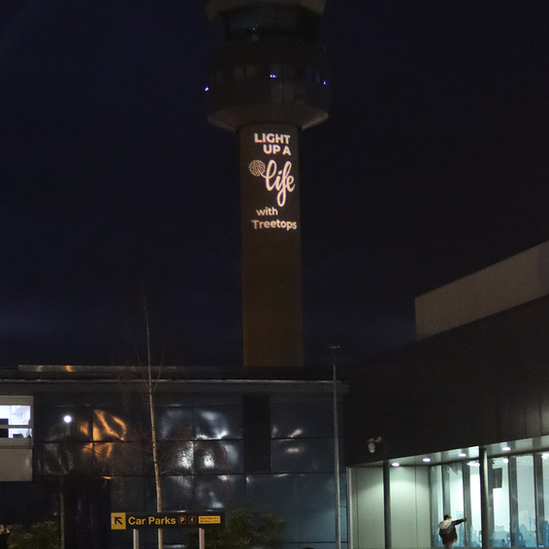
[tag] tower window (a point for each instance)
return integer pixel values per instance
(274, 21)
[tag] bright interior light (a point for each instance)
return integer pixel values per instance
(426, 460)
(462, 455)
(505, 460)
(395, 464)
(506, 449)
(473, 464)
(67, 419)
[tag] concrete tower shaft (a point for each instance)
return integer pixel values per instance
(267, 82)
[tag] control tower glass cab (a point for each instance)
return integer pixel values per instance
(268, 82)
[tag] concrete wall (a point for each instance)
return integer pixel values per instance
(410, 511)
(410, 515)
(16, 464)
(366, 508)
(506, 284)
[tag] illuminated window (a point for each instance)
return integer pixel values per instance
(498, 477)
(15, 418)
(523, 525)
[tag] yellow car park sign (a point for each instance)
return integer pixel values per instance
(169, 519)
(118, 521)
(209, 519)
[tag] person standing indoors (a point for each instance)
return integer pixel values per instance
(446, 529)
(4, 533)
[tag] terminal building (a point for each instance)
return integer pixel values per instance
(79, 439)
(458, 422)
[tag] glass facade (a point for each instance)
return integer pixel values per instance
(500, 521)
(453, 480)
(205, 458)
(543, 497)
(517, 501)
(524, 518)
(513, 507)
(474, 525)
(449, 483)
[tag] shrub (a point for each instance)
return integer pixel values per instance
(41, 535)
(244, 529)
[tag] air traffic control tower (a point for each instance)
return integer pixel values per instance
(267, 82)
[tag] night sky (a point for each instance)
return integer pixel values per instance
(434, 163)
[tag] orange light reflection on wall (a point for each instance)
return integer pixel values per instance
(107, 426)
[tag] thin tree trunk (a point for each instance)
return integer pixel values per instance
(62, 513)
(150, 392)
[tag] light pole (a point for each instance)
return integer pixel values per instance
(337, 497)
(67, 419)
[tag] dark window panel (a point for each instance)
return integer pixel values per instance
(257, 438)
(117, 458)
(67, 458)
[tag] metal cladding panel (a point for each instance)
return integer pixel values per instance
(479, 384)
(175, 423)
(177, 456)
(50, 426)
(295, 456)
(128, 492)
(66, 458)
(271, 246)
(315, 420)
(219, 457)
(218, 422)
(117, 459)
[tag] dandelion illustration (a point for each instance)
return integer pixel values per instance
(257, 168)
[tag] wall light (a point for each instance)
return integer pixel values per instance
(395, 464)
(67, 419)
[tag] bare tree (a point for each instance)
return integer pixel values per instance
(152, 417)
